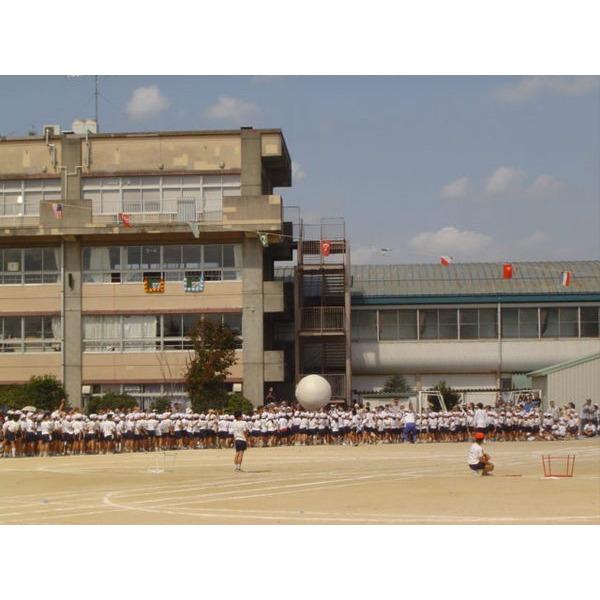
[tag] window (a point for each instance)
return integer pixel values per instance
(388, 324)
(30, 334)
(469, 323)
(520, 322)
(148, 333)
(23, 197)
(428, 324)
(110, 195)
(590, 319)
(364, 325)
(448, 328)
(29, 265)
(214, 262)
(568, 321)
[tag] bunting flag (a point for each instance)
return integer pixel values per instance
(57, 209)
(507, 271)
(264, 239)
(124, 219)
(325, 247)
(566, 278)
(446, 260)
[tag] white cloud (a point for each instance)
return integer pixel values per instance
(451, 241)
(230, 109)
(146, 102)
(455, 189)
(503, 180)
(545, 186)
(298, 172)
(526, 88)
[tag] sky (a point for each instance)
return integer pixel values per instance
(477, 168)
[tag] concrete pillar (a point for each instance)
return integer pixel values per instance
(252, 276)
(253, 321)
(71, 284)
(72, 344)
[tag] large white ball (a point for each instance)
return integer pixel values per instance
(313, 392)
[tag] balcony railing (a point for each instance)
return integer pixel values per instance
(323, 318)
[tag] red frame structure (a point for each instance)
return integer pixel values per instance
(547, 465)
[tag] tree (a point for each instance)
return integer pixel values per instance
(396, 383)
(110, 401)
(236, 401)
(161, 405)
(45, 392)
(213, 355)
(42, 391)
(450, 398)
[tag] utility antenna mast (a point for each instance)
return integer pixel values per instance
(96, 102)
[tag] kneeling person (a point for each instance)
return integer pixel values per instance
(478, 459)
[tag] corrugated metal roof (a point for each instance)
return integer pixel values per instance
(565, 365)
(470, 279)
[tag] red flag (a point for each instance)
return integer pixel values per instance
(507, 271)
(446, 260)
(124, 219)
(566, 278)
(325, 247)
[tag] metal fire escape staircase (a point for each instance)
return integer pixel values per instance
(322, 306)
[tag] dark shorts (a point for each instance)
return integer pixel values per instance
(240, 446)
(477, 467)
(30, 436)
(46, 438)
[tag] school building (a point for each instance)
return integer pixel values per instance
(113, 245)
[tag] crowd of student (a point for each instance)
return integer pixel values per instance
(71, 432)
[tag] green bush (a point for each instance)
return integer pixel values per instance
(161, 405)
(237, 402)
(44, 392)
(110, 401)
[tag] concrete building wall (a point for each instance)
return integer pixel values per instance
(27, 157)
(213, 153)
(466, 356)
(30, 298)
(131, 298)
(20, 367)
(144, 367)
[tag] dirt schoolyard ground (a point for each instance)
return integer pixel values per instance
(386, 484)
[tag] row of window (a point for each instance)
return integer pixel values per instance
(475, 323)
(29, 265)
(116, 264)
(111, 195)
(144, 333)
(30, 334)
(23, 197)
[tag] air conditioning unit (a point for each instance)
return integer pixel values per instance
(51, 129)
(86, 390)
(13, 266)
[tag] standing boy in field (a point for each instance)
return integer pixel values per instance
(239, 430)
(478, 459)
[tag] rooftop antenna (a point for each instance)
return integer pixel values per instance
(96, 92)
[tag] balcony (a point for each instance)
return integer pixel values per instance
(323, 320)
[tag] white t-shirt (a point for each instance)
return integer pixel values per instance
(480, 418)
(239, 430)
(475, 454)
